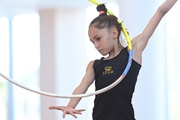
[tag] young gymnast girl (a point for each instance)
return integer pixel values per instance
(104, 32)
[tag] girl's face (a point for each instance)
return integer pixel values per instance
(103, 39)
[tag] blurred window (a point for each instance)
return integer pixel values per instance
(4, 65)
(25, 65)
(173, 64)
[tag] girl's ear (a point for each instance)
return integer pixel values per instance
(114, 33)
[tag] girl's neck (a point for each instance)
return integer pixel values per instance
(115, 52)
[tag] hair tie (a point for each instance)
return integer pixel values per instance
(101, 12)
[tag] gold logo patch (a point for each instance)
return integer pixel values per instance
(108, 70)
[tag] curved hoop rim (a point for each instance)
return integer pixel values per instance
(92, 93)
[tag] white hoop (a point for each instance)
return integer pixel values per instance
(64, 96)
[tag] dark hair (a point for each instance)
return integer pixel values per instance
(104, 20)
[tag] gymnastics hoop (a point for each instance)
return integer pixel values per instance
(92, 93)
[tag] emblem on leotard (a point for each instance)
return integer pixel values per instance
(108, 70)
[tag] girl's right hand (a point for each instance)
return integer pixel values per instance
(67, 110)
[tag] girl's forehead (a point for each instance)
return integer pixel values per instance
(94, 28)
(94, 31)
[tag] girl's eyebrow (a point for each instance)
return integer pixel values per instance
(95, 36)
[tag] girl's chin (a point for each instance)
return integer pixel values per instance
(103, 54)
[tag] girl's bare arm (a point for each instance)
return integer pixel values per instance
(140, 42)
(82, 88)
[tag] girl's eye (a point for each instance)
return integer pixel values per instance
(98, 38)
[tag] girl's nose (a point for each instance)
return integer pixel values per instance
(96, 45)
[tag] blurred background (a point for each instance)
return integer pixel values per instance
(44, 45)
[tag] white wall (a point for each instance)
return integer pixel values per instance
(63, 57)
(47, 67)
(71, 59)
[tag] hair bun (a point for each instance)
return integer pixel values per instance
(101, 7)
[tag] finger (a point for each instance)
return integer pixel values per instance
(53, 107)
(72, 113)
(77, 112)
(64, 114)
(81, 110)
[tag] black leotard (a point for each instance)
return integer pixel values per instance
(115, 104)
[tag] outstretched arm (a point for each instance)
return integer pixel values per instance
(82, 88)
(141, 40)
